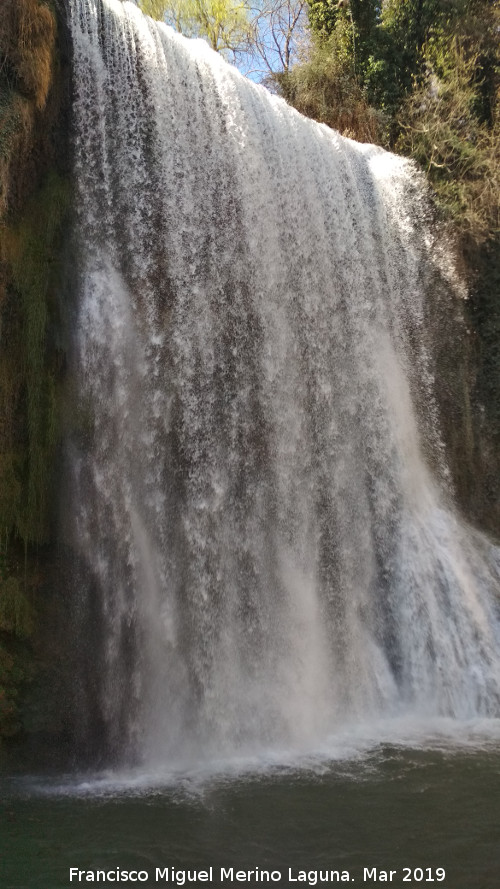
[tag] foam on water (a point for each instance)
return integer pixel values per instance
(358, 753)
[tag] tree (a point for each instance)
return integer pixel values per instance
(279, 29)
(328, 85)
(224, 24)
(262, 40)
(450, 124)
(326, 88)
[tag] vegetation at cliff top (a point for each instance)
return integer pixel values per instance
(418, 76)
(422, 78)
(224, 23)
(428, 74)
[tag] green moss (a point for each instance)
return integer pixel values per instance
(10, 489)
(30, 370)
(33, 245)
(16, 613)
(15, 672)
(16, 628)
(34, 203)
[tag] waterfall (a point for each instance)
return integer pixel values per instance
(262, 552)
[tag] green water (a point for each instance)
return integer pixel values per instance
(389, 809)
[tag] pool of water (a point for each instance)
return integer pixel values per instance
(385, 806)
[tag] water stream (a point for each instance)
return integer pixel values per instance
(264, 540)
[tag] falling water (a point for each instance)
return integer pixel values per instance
(262, 554)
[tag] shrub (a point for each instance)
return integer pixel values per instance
(326, 89)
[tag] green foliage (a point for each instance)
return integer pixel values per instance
(388, 40)
(325, 17)
(445, 127)
(335, 83)
(326, 89)
(350, 26)
(430, 68)
(223, 23)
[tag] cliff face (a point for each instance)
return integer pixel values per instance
(464, 342)
(483, 320)
(34, 201)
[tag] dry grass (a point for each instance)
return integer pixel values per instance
(35, 48)
(325, 89)
(27, 45)
(441, 129)
(353, 118)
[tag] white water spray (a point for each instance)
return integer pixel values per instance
(264, 555)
